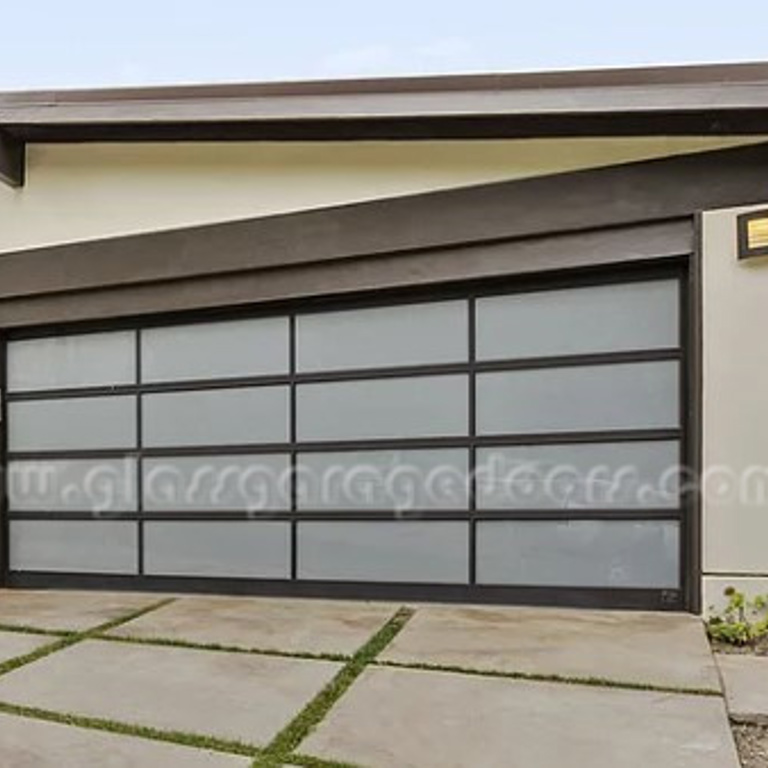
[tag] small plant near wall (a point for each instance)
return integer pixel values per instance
(743, 622)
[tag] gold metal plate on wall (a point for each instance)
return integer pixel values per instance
(753, 234)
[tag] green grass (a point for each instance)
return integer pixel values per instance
(67, 640)
(595, 682)
(316, 762)
(36, 655)
(280, 749)
(126, 617)
(23, 629)
(315, 711)
(219, 648)
(72, 638)
(125, 729)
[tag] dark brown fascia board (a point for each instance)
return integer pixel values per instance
(393, 105)
(643, 90)
(422, 272)
(730, 99)
(662, 75)
(753, 122)
(643, 77)
(378, 105)
(12, 156)
(621, 195)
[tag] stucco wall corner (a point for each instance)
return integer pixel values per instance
(735, 410)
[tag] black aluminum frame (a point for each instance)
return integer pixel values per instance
(682, 598)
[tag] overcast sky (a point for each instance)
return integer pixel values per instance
(79, 43)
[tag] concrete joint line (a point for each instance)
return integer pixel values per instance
(23, 629)
(125, 618)
(68, 639)
(307, 761)
(73, 638)
(282, 748)
(180, 738)
(593, 682)
(218, 648)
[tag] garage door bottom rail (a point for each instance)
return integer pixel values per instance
(569, 597)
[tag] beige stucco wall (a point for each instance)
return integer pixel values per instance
(735, 417)
(77, 192)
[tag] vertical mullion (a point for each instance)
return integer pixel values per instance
(686, 500)
(472, 388)
(292, 438)
(139, 460)
(4, 506)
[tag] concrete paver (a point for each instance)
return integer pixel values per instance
(390, 718)
(668, 650)
(746, 685)
(13, 644)
(35, 744)
(311, 626)
(228, 695)
(70, 611)
(397, 718)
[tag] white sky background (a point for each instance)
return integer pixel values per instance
(80, 43)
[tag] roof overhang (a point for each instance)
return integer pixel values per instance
(622, 214)
(729, 99)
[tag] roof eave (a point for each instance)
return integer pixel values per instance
(727, 99)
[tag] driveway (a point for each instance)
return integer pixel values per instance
(117, 680)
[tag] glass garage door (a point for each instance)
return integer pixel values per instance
(512, 444)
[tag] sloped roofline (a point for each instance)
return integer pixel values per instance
(719, 99)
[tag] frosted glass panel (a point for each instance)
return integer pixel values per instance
(77, 423)
(579, 553)
(579, 476)
(397, 551)
(419, 406)
(216, 417)
(413, 334)
(75, 546)
(384, 480)
(62, 362)
(215, 350)
(226, 549)
(256, 483)
(606, 318)
(75, 485)
(600, 397)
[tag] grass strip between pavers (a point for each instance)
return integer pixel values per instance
(78, 637)
(125, 729)
(534, 677)
(180, 738)
(125, 618)
(306, 761)
(24, 629)
(99, 724)
(220, 648)
(280, 750)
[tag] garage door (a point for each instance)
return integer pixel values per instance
(515, 445)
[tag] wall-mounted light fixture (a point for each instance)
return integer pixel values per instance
(753, 234)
